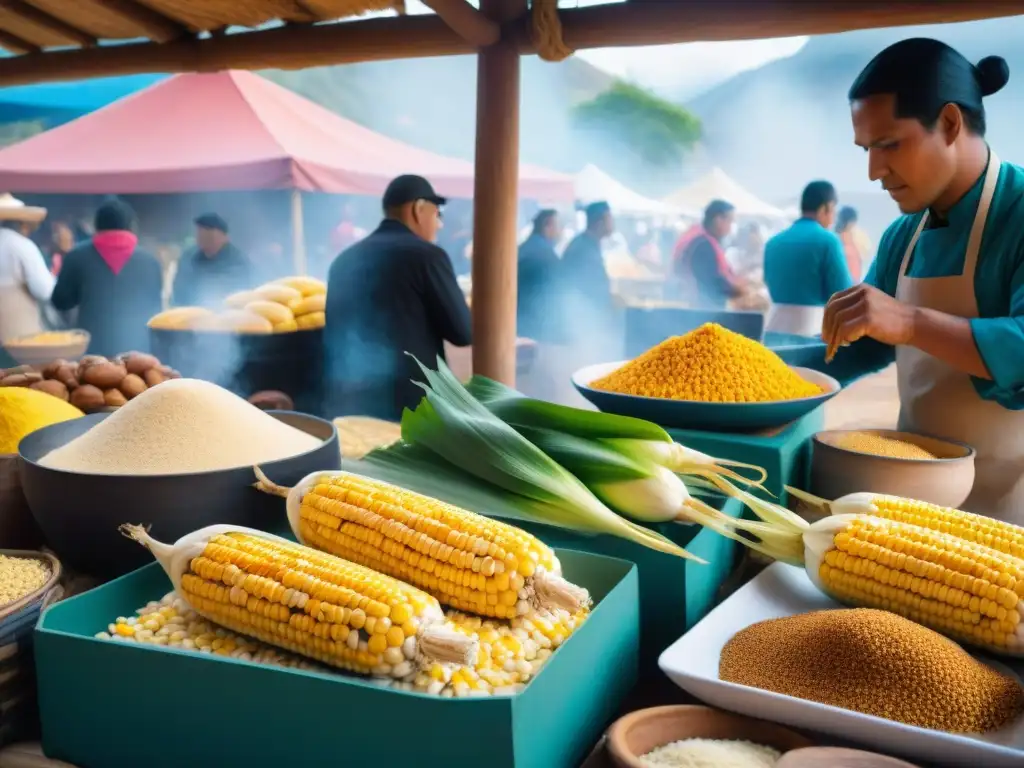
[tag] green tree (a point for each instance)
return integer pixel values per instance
(659, 132)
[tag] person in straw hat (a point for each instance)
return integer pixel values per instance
(25, 282)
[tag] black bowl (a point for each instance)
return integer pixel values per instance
(79, 514)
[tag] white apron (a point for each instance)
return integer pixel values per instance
(938, 400)
(795, 319)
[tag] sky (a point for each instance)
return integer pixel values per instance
(678, 71)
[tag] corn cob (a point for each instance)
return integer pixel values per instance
(966, 589)
(463, 559)
(1004, 537)
(308, 602)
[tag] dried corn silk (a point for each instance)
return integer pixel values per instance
(881, 445)
(710, 364)
(873, 662)
(20, 576)
(711, 753)
(182, 426)
(23, 411)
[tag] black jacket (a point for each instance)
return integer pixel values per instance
(587, 288)
(113, 308)
(538, 308)
(388, 294)
(206, 282)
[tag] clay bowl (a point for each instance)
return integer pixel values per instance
(946, 480)
(837, 757)
(637, 733)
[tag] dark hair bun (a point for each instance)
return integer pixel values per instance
(993, 74)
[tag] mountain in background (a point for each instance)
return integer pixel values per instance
(775, 128)
(432, 102)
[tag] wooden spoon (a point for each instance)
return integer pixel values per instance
(836, 757)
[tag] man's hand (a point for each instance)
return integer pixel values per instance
(863, 310)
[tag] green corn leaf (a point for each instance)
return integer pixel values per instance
(518, 410)
(453, 424)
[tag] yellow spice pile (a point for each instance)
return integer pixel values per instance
(880, 445)
(710, 364)
(873, 662)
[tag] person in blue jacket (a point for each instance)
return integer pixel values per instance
(805, 264)
(945, 296)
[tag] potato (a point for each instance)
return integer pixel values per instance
(153, 376)
(132, 385)
(15, 380)
(88, 398)
(52, 370)
(114, 398)
(103, 375)
(139, 362)
(51, 387)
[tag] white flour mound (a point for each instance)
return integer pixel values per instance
(181, 426)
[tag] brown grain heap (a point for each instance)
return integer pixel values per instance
(876, 663)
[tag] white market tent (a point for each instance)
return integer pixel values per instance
(718, 185)
(593, 184)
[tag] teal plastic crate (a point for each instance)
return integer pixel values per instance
(111, 705)
(785, 453)
(674, 593)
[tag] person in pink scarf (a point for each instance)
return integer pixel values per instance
(114, 285)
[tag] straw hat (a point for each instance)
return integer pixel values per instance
(12, 209)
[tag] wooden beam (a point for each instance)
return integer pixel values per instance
(638, 22)
(657, 22)
(150, 23)
(44, 20)
(15, 44)
(472, 25)
(495, 201)
(294, 46)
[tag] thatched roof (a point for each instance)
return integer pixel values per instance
(62, 39)
(31, 25)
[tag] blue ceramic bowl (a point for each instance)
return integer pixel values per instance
(689, 414)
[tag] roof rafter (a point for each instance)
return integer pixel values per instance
(638, 22)
(50, 23)
(15, 44)
(472, 26)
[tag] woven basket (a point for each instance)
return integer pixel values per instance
(19, 714)
(18, 529)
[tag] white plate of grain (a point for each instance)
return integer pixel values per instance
(782, 590)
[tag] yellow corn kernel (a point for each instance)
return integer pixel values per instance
(709, 364)
(965, 590)
(300, 599)
(1003, 537)
(465, 560)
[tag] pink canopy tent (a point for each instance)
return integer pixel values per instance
(232, 131)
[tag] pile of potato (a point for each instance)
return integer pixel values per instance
(282, 306)
(94, 382)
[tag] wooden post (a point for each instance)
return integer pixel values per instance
(298, 234)
(495, 201)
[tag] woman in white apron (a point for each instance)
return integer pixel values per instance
(946, 293)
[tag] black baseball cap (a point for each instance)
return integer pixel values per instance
(212, 221)
(409, 189)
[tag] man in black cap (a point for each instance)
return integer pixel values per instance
(212, 270)
(392, 292)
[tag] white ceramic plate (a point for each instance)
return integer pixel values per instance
(782, 590)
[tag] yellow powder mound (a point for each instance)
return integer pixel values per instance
(710, 365)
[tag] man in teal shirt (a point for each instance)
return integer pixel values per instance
(945, 296)
(805, 264)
